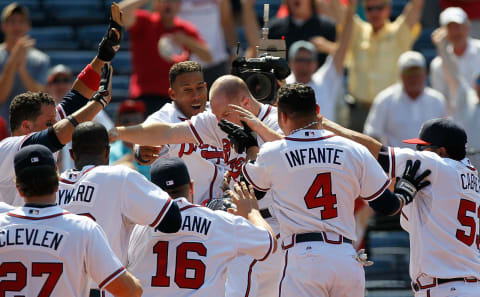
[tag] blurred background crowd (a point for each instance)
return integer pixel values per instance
(404, 63)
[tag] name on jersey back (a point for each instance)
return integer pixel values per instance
(194, 225)
(470, 182)
(27, 237)
(328, 156)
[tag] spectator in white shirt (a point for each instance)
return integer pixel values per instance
(462, 100)
(398, 111)
(327, 80)
(463, 50)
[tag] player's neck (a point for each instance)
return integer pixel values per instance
(255, 107)
(49, 199)
(313, 124)
(95, 161)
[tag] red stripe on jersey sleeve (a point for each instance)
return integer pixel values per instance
(162, 212)
(392, 162)
(244, 170)
(111, 277)
(195, 133)
(61, 112)
(269, 248)
(404, 215)
(379, 192)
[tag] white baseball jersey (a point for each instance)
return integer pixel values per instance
(117, 198)
(193, 261)
(204, 127)
(51, 252)
(205, 162)
(443, 219)
(315, 177)
(4, 207)
(8, 191)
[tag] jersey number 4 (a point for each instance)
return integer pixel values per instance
(322, 184)
(182, 264)
(54, 271)
(467, 221)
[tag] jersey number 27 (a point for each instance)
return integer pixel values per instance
(322, 184)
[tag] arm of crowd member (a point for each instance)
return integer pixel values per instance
(128, 7)
(29, 82)
(153, 134)
(413, 12)
(339, 56)
(336, 10)
(17, 56)
(228, 25)
(373, 145)
(251, 27)
(196, 46)
(247, 207)
(126, 285)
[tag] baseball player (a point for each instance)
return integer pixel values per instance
(47, 251)
(315, 177)
(33, 116)
(116, 197)
(229, 99)
(443, 220)
(205, 163)
(193, 261)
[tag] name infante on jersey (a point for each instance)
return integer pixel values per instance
(313, 156)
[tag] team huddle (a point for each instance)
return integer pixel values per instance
(244, 198)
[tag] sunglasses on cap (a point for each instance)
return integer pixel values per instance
(372, 8)
(422, 147)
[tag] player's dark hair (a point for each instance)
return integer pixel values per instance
(89, 141)
(182, 68)
(27, 106)
(180, 191)
(456, 152)
(37, 181)
(297, 100)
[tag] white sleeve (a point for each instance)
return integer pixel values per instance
(373, 181)
(101, 263)
(139, 239)
(398, 158)
(404, 215)
(251, 240)
(258, 173)
(143, 202)
(205, 130)
(327, 75)
(437, 79)
(377, 118)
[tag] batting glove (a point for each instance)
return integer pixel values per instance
(110, 43)
(240, 138)
(102, 96)
(407, 186)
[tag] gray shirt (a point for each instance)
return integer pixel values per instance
(37, 66)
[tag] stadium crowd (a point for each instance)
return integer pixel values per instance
(379, 67)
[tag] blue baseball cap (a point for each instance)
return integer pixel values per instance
(169, 173)
(32, 156)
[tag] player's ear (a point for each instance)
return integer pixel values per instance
(245, 102)
(27, 126)
(442, 152)
(171, 93)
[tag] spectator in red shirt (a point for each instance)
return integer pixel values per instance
(472, 8)
(3, 129)
(158, 40)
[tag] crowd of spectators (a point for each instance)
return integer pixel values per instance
(367, 76)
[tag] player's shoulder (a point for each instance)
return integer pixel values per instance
(168, 113)
(436, 64)
(12, 142)
(4, 207)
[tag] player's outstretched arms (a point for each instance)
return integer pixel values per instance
(247, 207)
(64, 128)
(153, 134)
(126, 285)
(88, 80)
(373, 145)
(405, 190)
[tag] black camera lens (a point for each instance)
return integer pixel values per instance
(260, 85)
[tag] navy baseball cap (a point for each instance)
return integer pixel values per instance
(441, 132)
(31, 156)
(169, 173)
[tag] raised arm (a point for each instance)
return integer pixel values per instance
(251, 26)
(128, 7)
(413, 12)
(339, 56)
(153, 134)
(228, 24)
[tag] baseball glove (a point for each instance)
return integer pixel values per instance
(240, 138)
